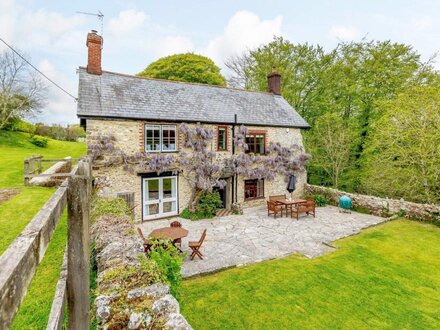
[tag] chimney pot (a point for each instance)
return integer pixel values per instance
(94, 45)
(274, 82)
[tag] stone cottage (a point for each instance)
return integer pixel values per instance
(144, 115)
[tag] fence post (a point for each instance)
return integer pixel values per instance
(39, 164)
(78, 209)
(26, 171)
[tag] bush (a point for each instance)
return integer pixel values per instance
(320, 200)
(169, 261)
(18, 125)
(186, 214)
(39, 141)
(209, 202)
(109, 206)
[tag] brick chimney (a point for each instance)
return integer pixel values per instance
(274, 82)
(94, 44)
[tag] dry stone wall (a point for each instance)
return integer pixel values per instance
(380, 206)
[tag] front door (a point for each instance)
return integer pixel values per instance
(159, 197)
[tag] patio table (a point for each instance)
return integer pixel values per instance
(289, 203)
(171, 233)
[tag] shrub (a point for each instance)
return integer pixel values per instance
(39, 141)
(209, 202)
(320, 200)
(186, 214)
(169, 261)
(109, 206)
(127, 277)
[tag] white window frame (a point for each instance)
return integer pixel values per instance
(161, 144)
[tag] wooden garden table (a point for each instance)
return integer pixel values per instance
(171, 233)
(289, 203)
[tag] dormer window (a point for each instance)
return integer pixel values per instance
(160, 138)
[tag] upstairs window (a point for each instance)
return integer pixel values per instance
(222, 138)
(253, 189)
(160, 138)
(256, 142)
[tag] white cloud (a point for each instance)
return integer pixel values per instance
(173, 45)
(60, 107)
(126, 22)
(344, 32)
(244, 30)
(423, 23)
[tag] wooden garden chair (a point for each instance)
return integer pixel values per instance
(195, 246)
(276, 198)
(147, 243)
(274, 208)
(176, 224)
(307, 207)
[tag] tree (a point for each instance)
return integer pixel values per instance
(185, 67)
(404, 148)
(301, 67)
(21, 90)
(330, 146)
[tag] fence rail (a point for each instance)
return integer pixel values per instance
(33, 167)
(20, 261)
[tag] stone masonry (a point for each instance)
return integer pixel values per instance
(129, 138)
(380, 206)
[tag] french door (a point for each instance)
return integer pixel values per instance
(159, 197)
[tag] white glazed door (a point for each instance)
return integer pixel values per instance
(159, 197)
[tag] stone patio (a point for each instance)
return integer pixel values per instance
(252, 237)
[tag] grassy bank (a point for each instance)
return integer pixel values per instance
(16, 213)
(387, 277)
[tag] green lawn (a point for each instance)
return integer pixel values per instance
(16, 213)
(387, 277)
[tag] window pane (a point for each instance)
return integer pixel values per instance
(169, 207)
(222, 138)
(152, 189)
(169, 187)
(169, 138)
(259, 140)
(250, 141)
(152, 138)
(152, 209)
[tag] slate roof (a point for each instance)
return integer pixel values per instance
(114, 95)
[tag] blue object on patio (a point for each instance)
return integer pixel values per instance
(345, 203)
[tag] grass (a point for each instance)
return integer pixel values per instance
(387, 277)
(16, 213)
(16, 146)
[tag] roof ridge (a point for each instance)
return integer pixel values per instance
(183, 82)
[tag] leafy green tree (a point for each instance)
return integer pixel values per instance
(185, 67)
(301, 66)
(329, 143)
(403, 154)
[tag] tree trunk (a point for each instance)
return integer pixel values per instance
(193, 199)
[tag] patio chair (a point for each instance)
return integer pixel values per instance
(274, 208)
(147, 243)
(276, 198)
(195, 246)
(176, 224)
(307, 207)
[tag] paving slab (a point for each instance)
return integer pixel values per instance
(253, 237)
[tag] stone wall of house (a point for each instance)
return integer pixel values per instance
(129, 137)
(378, 205)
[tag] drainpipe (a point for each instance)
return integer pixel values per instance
(234, 178)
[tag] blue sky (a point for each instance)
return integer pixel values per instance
(139, 32)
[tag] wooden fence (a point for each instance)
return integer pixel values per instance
(33, 167)
(19, 262)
